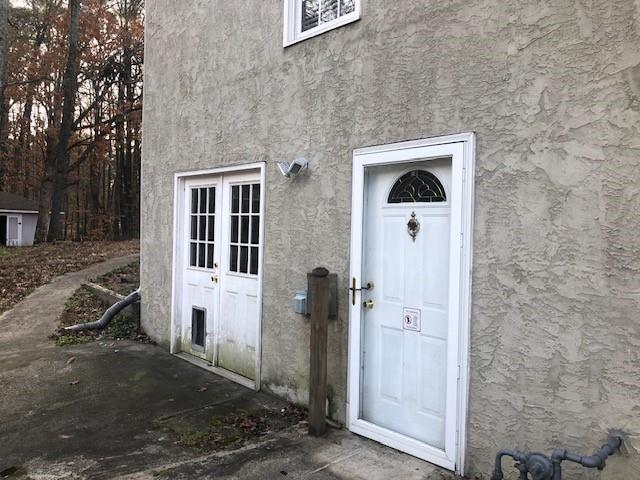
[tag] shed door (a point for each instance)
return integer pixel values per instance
(13, 230)
(3, 230)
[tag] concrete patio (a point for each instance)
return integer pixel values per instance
(99, 411)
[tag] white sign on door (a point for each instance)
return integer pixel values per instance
(411, 319)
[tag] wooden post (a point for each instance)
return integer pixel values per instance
(320, 297)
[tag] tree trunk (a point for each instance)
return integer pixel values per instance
(120, 159)
(4, 22)
(23, 146)
(46, 189)
(69, 86)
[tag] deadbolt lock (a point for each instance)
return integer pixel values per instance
(368, 304)
(353, 289)
(214, 278)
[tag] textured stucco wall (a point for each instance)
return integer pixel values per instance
(552, 89)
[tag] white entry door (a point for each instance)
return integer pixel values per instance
(220, 314)
(407, 256)
(407, 233)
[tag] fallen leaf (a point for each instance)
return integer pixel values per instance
(203, 389)
(71, 360)
(26, 268)
(75, 382)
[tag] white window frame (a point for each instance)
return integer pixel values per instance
(293, 22)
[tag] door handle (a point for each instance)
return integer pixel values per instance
(368, 304)
(353, 289)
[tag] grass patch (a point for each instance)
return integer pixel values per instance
(4, 252)
(122, 327)
(194, 439)
(78, 339)
(233, 430)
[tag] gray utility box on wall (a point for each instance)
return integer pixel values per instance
(300, 302)
(333, 295)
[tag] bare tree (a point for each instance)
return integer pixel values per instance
(74, 86)
(4, 22)
(70, 88)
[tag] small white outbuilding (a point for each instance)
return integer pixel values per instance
(18, 220)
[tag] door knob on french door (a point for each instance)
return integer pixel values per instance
(214, 278)
(368, 304)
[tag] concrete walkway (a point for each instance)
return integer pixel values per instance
(96, 411)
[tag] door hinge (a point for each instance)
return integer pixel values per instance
(458, 372)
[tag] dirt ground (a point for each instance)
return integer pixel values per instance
(84, 307)
(23, 269)
(123, 280)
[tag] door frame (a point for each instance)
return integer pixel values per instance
(396, 154)
(178, 260)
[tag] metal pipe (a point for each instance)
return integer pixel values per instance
(597, 460)
(515, 454)
(111, 312)
(541, 467)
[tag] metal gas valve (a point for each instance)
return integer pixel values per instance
(540, 467)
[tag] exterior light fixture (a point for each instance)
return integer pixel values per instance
(294, 168)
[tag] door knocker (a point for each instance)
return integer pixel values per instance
(413, 227)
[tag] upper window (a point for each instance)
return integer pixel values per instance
(307, 18)
(417, 186)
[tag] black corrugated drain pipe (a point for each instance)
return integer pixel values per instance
(111, 312)
(541, 467)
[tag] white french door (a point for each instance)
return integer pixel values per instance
(408, 324)
(239, 285)
(201, 251)
(219, 284)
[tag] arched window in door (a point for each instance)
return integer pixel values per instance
(417, 186)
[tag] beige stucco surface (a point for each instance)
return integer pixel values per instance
(552, 89)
